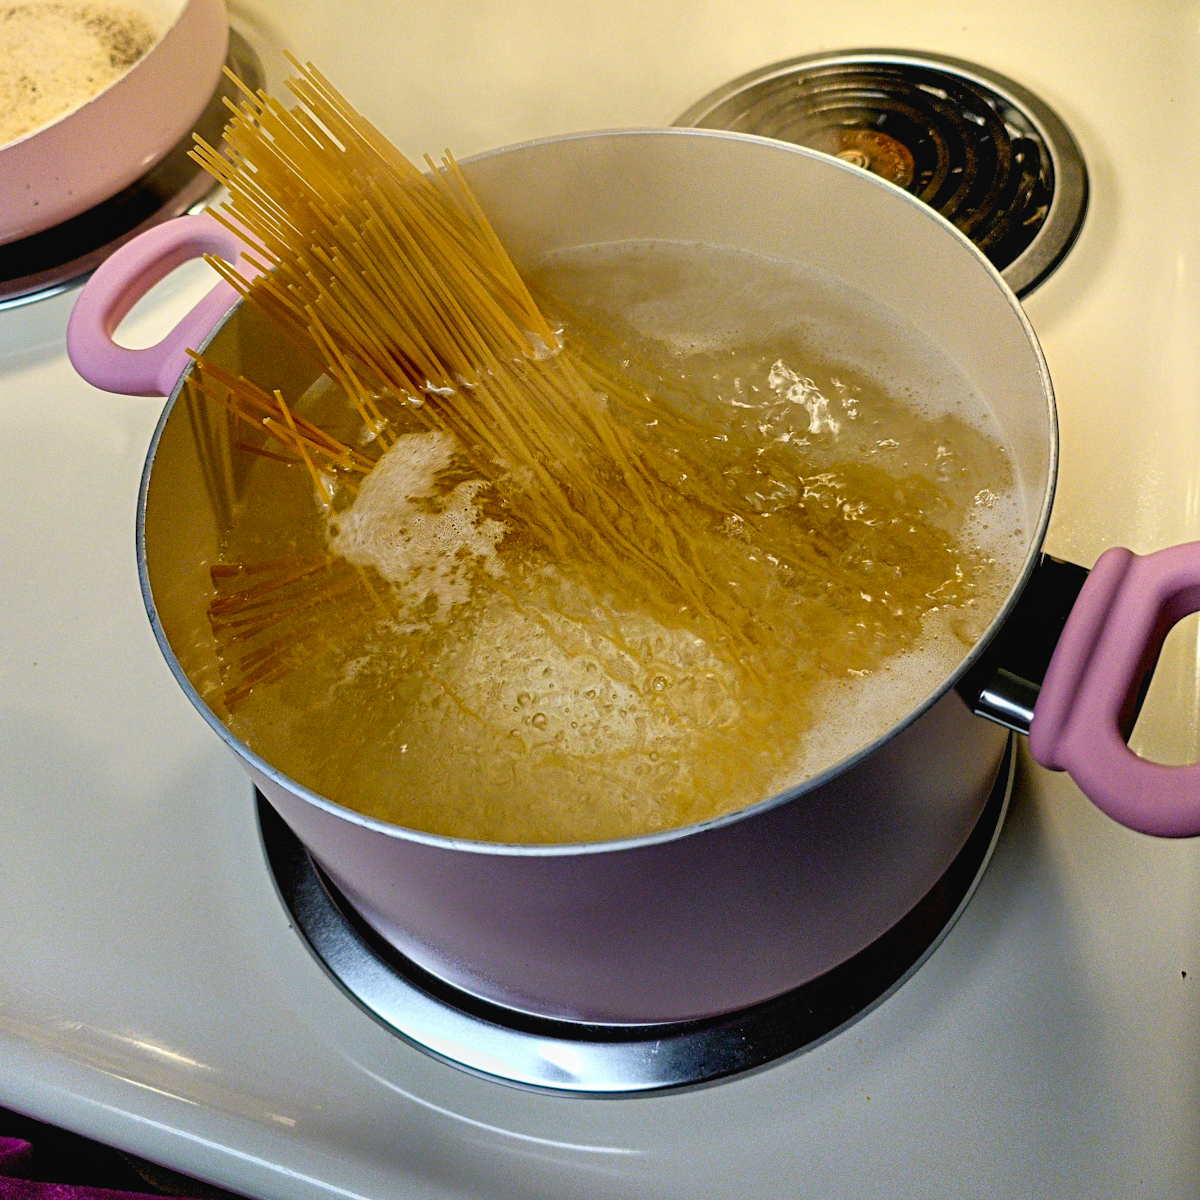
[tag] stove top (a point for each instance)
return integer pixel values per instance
(155, 994)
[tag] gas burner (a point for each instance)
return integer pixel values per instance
(578, 1059)
(983, 151)
(49, 262)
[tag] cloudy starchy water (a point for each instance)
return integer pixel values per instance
(865, 522)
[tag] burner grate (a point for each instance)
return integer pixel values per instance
(988, 155)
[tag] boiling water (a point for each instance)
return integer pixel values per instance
(461, 683)
(56, 56)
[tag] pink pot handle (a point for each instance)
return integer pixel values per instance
(1088, 702)
(122, 280)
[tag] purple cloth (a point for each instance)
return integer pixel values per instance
(16, 1157)
(29, 1189)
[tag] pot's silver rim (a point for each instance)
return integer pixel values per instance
(556, 850)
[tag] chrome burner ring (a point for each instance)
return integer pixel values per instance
(984, 151)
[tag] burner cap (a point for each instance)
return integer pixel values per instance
(989, 155)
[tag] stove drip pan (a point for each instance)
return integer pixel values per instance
(49, 262)
(986, 153)
(579, 1059)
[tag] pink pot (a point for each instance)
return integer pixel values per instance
(91, 153)
(703, 920)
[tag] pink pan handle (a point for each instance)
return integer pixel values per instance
(122, 280)
(1087, 704)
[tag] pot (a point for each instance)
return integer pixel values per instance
(691, 922)
(92, 152)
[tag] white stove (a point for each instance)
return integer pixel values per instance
(152, 992)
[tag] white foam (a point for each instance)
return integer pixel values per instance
(425, 543)
(850, 714)
(766, 299)
(556, 683)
